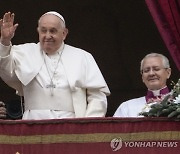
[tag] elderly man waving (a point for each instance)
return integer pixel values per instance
(56, 79)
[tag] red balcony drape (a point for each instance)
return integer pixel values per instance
(166, 15)
(91, 136)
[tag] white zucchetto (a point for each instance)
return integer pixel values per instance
(56, 14)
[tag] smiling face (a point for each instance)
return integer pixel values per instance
(154, 73)
(52, 33)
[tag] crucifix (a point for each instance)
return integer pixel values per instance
(51, 86)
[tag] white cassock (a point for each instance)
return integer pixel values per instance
(131, 108)
(80, 89)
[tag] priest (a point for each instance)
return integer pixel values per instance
(155, 70)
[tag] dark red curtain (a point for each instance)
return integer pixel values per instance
(166, 15)
(90, 136)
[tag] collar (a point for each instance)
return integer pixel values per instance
(58, 52)
(156, 93)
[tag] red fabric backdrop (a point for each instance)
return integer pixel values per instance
(166, 15)
(91, 136)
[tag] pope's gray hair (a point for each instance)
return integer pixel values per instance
(165, 60)
(62, 22)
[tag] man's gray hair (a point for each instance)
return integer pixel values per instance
(63, 24)
(164, 59)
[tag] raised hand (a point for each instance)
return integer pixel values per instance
(7, 28)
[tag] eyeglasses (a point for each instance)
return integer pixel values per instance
(154, 69)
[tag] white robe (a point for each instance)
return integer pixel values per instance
(131, 108)
(87, 85)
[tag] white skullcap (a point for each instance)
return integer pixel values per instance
(56, 14)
